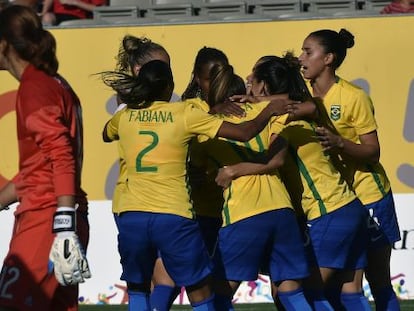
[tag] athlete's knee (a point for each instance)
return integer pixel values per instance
(137, 287)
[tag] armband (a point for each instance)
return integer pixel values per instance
(64, 219)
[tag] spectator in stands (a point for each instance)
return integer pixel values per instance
(56, 11)
(34, 4)
(398, 7)
(3, 4)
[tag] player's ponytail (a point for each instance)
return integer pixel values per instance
(205, 56)
(22, 29)
(298, 89)
(136, 51)
(153, 83)
(45, 57)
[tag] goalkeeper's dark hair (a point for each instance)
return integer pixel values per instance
(154, 83)
(21, 28)
(223, 84)
(282, 75)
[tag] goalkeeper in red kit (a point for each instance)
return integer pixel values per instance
(46, 259)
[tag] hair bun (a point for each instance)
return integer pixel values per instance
(347, 37)
(291, 60)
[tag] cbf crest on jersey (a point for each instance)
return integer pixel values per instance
(335, 112)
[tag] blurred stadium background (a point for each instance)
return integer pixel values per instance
(378, 63)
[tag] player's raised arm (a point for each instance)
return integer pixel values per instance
(275, 158)
(247, 130)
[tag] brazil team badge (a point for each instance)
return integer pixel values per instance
(335, 112)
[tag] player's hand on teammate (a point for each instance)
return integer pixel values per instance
(224, 176)
(246, 98)
(67, 254)
(281, 106)
(228, 108)
(328, 140)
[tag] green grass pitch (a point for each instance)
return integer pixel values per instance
(406, 305)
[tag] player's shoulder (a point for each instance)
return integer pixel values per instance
(352, 93)
(351, 88)
(196, 103)
(36, 79)
(254, 108)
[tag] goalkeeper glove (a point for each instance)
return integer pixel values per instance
(67, 255)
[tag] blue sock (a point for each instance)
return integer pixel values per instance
(223, 303)
(294, 300)
(318, 301)
(205, 305)
(355, 302)
(162, 297)
(138, 301)
(386, 299)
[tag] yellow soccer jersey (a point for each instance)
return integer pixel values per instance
(120, 183)
(206, 195)
(253, 194)
(352, 113)
(155, 143)
(122, 177)
(316, 187)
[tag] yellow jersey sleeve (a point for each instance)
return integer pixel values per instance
(111, 127)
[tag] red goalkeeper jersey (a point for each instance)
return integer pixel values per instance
(50, 140)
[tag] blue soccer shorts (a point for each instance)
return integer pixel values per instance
(339, 239)
(177, 239)
(383, 226)
(271, 240)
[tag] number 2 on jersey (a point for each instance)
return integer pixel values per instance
(139, 167)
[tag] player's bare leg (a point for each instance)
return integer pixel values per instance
(378, 275)
(201, 295)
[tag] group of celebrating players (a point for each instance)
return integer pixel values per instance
(279, 175)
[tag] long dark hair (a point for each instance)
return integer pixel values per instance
(282, 75)
(204, 56)
(154, 82)
(22, 29)
(223, 84)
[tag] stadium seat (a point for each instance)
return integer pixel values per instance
(133, 21)
(110, 13)
(376, 5)
(167, 9)
(117, 9)
(301, 16)
(330, 6)
(275, 7)
(79, 23)
(223, 8)
(195, 19)
(353, 13)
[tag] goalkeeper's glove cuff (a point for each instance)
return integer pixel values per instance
(64, 220)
